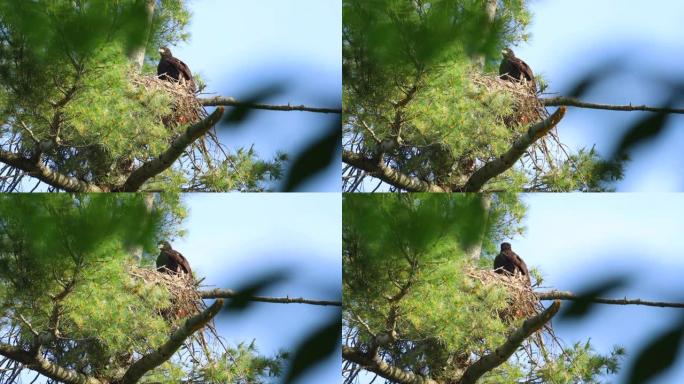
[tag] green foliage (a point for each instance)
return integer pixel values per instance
(413, 95)
(404, 258)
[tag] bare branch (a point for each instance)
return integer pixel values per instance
(376, 365)
(573, 102)
(176, 340)
(566, 295)
(156, 166)
(499, 165)
(229, 293)
(34, 361)
(501, 354)
(41, 172)
(381, 171)
(231, 102)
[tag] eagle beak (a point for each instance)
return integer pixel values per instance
(161, 50)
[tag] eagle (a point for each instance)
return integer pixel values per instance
(514, 69)
(172, 69)
(509, 263)
(171, 261)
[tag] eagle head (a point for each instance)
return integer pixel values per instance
(164, 245)
(505, 246)
(165, 51)
(507, 52)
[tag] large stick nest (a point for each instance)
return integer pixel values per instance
(527, 108)
(185, 298)
(522, 302)
(186, 109)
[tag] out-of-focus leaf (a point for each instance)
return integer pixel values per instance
(316, 157)
(242, 300)
(320, 344)
(657, 356)
(239, 114)
(583, 305)
(642, 131)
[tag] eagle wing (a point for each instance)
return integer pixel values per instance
(519, 264)
(181, 261)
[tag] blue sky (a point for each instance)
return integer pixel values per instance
(239, 46)
(232, 239)
(577, 240)
(569, 38)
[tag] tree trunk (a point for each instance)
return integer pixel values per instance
(137, 55)
(490, 8)
(474, 251)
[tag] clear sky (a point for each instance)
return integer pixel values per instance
(577, 240)
(233, 239)
(569, 38)
(240, 46)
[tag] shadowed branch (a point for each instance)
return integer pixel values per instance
(375, 364)
(573, 102)
(566, 295)
(229, 293)
(231, 102)
(35, 361)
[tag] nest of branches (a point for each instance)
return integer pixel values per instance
(522, 302)
(185, 298)
(186, 109)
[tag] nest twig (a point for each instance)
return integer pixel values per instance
(185, 298)
(186, 109)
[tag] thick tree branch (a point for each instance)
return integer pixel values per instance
(566, 295)
(383, 172)
(36, 362)
(572, 102)
(231, 102)
(501, 354)
(499, 165)
(163, 353)
(41, 172)
(229, 294)
(376, 365)
(156, 166)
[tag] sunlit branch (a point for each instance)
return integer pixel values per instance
(375, 364)
(158, 165)
(40, 171)
(381, 171)
(499, 165)
(566, 295)
(35, 361)
(501, 354)
(175, 341)
(573, 102)
(231, 102)
(229, 294)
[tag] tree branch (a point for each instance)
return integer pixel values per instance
(501, 354)
(499, 165)
(381, 171)
(231, 102)
(566, 295)
(156, 166)
(376, 365)
(36, 362)
(229, 293)
(163, 353)
(573, 102)
(41, 172)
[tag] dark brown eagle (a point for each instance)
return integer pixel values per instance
(171, 261)
(514, 69)
(509, 263)
(170, 68)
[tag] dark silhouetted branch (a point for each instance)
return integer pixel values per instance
(381, 171)
(565, 295)
(231, 102)
(229, 294)
(572, 102)
(35, 361)
(163, 353)
(158, 165)
(501, 354)
(375, 364)
(499, 165)
(43, 173)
